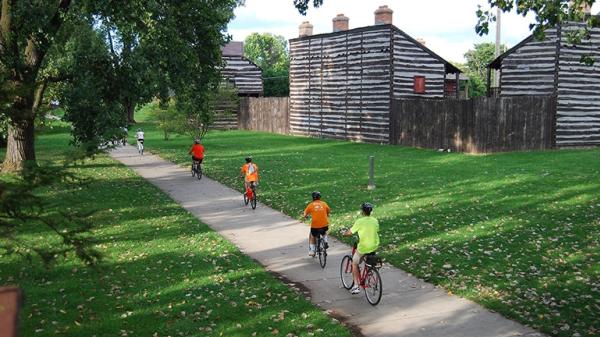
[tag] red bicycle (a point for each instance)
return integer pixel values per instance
(370, 280)
(250, 195)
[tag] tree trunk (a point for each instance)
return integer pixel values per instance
(130, 110)
(20, 147)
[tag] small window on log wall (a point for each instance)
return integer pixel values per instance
(419, 84)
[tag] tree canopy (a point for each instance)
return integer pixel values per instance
(270, 53)
(477, 60)
(140, 49)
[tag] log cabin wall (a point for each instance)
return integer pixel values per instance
(578, 115)
(340, 84)
(245, 75)
(530, 68)
(410, 60)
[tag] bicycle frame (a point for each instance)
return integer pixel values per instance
(250, 190)
(362, 272)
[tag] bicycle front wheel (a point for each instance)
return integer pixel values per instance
(322, 252)
(373, 286)
(346, 272)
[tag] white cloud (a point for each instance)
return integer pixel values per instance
(447, 26)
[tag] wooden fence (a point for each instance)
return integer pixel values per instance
(479, 125)
(271, 114)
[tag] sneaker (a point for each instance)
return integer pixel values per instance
(311, 253)
(355, 290)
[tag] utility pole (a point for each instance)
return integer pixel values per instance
(498, 38)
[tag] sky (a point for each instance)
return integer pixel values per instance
(447, 26)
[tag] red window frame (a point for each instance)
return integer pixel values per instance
(419, 84)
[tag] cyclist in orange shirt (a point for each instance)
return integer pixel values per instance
(319, 212)
(249, 172)
(197, 151)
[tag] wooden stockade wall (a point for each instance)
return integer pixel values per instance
(479, 125)
(269, 114)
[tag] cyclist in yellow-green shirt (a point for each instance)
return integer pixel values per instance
(367, 229)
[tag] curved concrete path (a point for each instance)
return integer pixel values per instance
(409, 307)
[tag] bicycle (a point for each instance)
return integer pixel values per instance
(140, 146)
(370, 280)
(196, 169)
(321, 248)
(250, 195)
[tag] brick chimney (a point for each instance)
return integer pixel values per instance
(340, 23)
(383, 15)
(305, 29)
(421, 40)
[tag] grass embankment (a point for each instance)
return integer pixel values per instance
(164, 273)
(517, 232)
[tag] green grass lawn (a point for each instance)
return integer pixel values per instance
(516, 232)
(164, 273)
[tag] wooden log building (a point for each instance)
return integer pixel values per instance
(245, 76)
(342, 83)
(553, 66)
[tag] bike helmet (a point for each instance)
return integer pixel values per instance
(367, 208)
(249, 159)
(139, 129)
(316, 195)
(197, 140)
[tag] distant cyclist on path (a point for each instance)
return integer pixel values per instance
(139, 135)
(367, 229)
(197, 151)
(319, 212)
(249, 172)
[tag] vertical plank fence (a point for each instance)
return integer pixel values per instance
(480, 125)
(269, 114)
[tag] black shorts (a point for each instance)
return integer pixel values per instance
(141, 141)
(198, 160)
(316, 231)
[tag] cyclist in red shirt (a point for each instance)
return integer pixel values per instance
(197, 151)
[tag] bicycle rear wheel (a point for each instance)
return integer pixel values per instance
(253, 200)
(193, 170)
(346, 272)
(322, 252)
(373, 286)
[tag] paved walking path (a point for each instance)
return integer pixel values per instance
(409, 307)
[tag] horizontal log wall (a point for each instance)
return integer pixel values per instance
(269, 114)
(530, 69)
(340, 85)
(226, 116)
(480, 125)
(246, 76)
(411, 60)
(578, 115)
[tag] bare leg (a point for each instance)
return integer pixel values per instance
(356, 274)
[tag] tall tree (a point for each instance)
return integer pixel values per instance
(270, 53)
(185, 36)
(477, 60)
